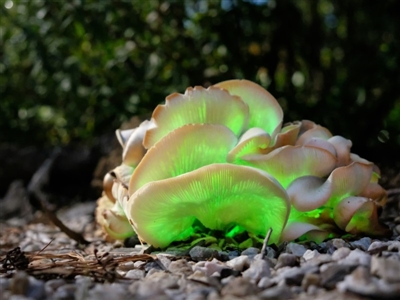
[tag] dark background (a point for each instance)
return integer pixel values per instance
(72, 71)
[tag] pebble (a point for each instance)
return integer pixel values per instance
(239, 287)
(309, 254)
(295, 249)
(198, 253)
(362, 244)
(387, 269)
(135, 274)
(69, 292)
(239, 263)
(357, 257)
(209, 267)
(340, 253)
(258, 269)
(286, 260)
(310, 279)
(251, 252)
(180, 267)
(19, 283)
(276, 293)
(334, 274)
(361, 282)
(36, 289)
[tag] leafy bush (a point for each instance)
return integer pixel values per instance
(72, 70)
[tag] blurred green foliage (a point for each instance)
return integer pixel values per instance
(72, 70)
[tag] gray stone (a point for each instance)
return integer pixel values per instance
(295, 249)
(340, 253)
(360, 282)
(180, 266)
(286, 260)
(198, 253)
(334, 274)
(69, 292)
(310, 254)
(258, 269)
(357, 257)
(385, 268)
(251, 252)
(239, 287)
(36, 289)
(310, 279)
(199, 276)
(135, 274)
(362, 244)
(209, 267)
(239, 263)
(52, 285)
(108, 291)
(276, 293)
(19, 284)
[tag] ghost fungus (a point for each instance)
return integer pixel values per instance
(221, 156)
(219, 196)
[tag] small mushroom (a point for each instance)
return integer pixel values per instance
(220, 196)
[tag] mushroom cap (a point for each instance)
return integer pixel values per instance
(183, 150)
(220, 196)
(291, 162)
(264, 111)
(198, 106)
(132, 143)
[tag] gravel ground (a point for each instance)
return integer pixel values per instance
(40, 262)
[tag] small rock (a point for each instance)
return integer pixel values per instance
(334, 274)
(270, 252)
(387, 269)
(362, 244)
(152, 265)
(397, 229)
(209, 267)
(309, 254)
(377, 247)
(199, 276)
(310, 279)
(337, 243)
(360, 282)
(198, 253)
(164, 260)
(69, 292)
(251, 252)
(239, 263)
(258, 269)
(36, 289)
(294, 276)
(108, 291)
(135, 274)
(239, 287)
(295, 249)
(139, 264)
(276, 293)
(357, 257)
(19, 283)
(180, 266)
(286, 260)
(265, 282)
(340, 253)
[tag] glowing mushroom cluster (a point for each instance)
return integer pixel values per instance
(220, 156)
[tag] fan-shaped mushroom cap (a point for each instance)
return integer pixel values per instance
(219, 196)
(253, 141)
(112, 219)
(295, 230)
(358, 214)
(310, 192)
(132, 143)
(309, 130)
(265, 111)
(291, 162)
(198, 106)
(184, 149)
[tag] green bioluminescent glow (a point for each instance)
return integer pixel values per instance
(217, 195)
(219, 157)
